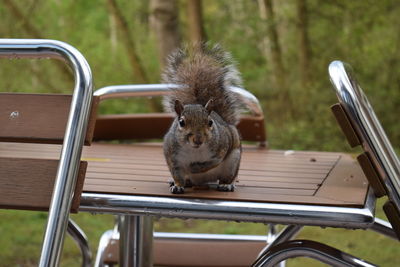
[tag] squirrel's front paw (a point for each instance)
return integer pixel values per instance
(226, 187)
(177, 189)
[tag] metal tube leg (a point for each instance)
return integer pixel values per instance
(136, 241)
(286, 234)
(311, 249)
(271, 237)
(80, 238)
(384, 228)
(105, 239)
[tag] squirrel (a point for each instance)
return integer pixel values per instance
(203, 144)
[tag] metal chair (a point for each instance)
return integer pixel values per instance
(294, 188)
(379, 162)
(27, 183)
(334, 202)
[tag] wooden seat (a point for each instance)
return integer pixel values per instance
(139, 169)
(196, 253)
(265, 175)
(298, 182)
(307, 182)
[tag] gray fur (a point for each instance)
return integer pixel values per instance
(202, 144)
(205, 72)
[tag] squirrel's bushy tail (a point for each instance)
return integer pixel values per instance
(204, 72)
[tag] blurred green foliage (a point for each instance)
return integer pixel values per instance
(365, 34)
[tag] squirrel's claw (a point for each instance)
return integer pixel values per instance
(177, 189)
(226, 187)
(171, 182)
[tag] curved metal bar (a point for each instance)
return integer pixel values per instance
(285, 235)
(73, 139)
(215, 237)
(150, 90)
(384, 228)
(311, 249)
(105, 239)
(363, 118)
(347, 217)
(80, 238)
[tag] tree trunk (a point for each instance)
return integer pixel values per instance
(267, 13)
(304, 43)
(126, 37)
(113, 34)
(197, 33)
(32, 31)
(164, 21)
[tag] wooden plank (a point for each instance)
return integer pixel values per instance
(345, 182)
(393, 214)
(245, 170)
(345, 124)
(156, 125)
(263, 169)
(128, 181)
(149, 188)
(155, 175)
(372, 174)
(196, 253)
(38, 118)
(252, 128)
(132, 126)
(162, 174)
(28, 183)
(203, 253)
(136, 157)
(277, 196)
(140, 169)
(138, 152)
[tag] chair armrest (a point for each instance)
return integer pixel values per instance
(148, 90)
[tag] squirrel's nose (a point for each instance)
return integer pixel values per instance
(197, 140)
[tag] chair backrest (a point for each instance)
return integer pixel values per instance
(362, 127)
(69, 164)
(38, 118)
(27, 183)
(155, 125)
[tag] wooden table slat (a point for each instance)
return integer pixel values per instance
(317, 178)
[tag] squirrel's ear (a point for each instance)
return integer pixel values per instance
(178, 107)
(209, 105)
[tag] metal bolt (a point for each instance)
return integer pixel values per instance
(14, 115)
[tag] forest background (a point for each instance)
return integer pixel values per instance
(283, 49)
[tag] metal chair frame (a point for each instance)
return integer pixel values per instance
(135, 224)
(138, 207)
(366, 123)
(73, 139)
(374, 141)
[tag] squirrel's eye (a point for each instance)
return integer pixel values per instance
(210, 123)
(181, 123)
